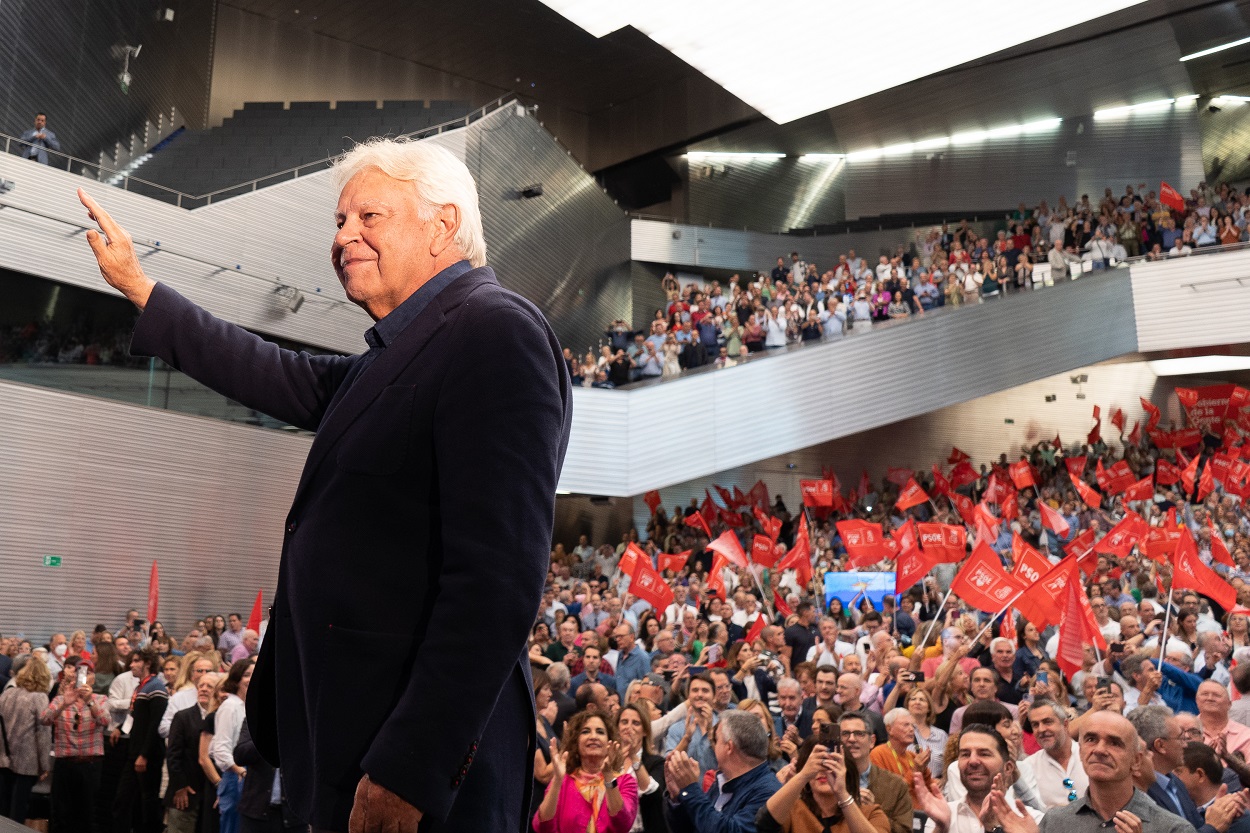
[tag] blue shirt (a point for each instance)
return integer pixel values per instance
(700, 747)
(635, 666)
(695, 811)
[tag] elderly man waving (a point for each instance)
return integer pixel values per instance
(435, 464)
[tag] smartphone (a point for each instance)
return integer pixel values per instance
(1043, 677)
(917, 677)
(831, 737)
(1104, 684)
(713, 652)
(139, 623)
(696, 670)
(82, 676)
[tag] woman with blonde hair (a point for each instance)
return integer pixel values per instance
(920, 705)
(633, 725)
(26, 753)
(760, 710)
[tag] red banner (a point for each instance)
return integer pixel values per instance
(799, 559)
(983, 584)
(675, 561)
(763, 551)
(1031, 565)
(728, 546)
(1134, 437)
(963, 474)
(1161, 542)
(1153, 413)
(864, 542)
(757, 627)
(1082, 549)
(1183, 438)
(253, 621)
(154, 594)
(1076, 465)
(965, 507)
(1189, 573)
(632, 560)
(816, 492)
(898, 475)
(911, 495)
(652, 499)
(1120, 539)
(957, 456)
(649, 586)
(947, 543)
(1170, 197)
(1167, 473)
(1219, 550)
(1143, 489)
(1095, 433)
(1117, 419)
(1088, 493)
(1051, 519)
(1022, 474)
(715, 577)
(1040, 604)
(941, 485)
(771, 525)
(1208, 407)
(911, 567)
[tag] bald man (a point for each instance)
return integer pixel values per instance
(1213, 705)
(850, 686)
(1110, 749)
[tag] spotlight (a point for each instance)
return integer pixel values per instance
(531, 191)
(295, 301)
(1080, 396)
(7, 185)
(1050, 397)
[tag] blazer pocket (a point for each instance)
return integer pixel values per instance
(377, 444)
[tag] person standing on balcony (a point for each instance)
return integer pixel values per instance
(40, 140)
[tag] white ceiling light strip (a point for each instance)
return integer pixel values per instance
(1193, 365)
(725, 156)
(1204, 53)
(723, 39)
(1155, 106)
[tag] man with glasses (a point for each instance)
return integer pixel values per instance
(1161, 733)
(887, 790)
(1109, 627)
(1057, 765)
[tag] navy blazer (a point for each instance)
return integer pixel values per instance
(430, 485)
(1191, 814)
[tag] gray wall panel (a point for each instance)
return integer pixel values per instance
(112, 487)
(1192, 301)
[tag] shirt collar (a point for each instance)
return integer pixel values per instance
(733, 783)
(386, 330)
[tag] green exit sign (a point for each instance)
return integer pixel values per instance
(52, 561)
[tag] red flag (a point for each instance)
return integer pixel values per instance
(1082, 549)
(1120, 539)
(865, 484)
(1088, 493)
(1206, 484)
(983, 584)
(733, 519)
(697, 520)
(1167, 473)
(1095, 433)
(715, 576)
(1031, 565)
(1073, 631)
(154, 593)
(762, 551)
(963, 474)
(912, 495)
(816, 492)
(1075, 465)
(1117, 419)
(771, 525)
(898, 475)
(725, 497)
(757, 628)
(864, 542)
(1010, 506)
(1134, 436)
(759, 495)
(1170, 197)
(652, 499)
(1040, 603)
(1190, 474)
(1143, 489)
(1052, 520)
(780, 605)
(632, 560)
(728, 546)
(1219, 550)
(253, 621)
(739, 498)
(1056, 442)
(965, 507)
(994, 490)
(1007, 626)
(1022, 474)
(912, 565)
(946, 543)
(1189, 573)
(798, 559)
(649, 586)
(941, 485)
(1161, 542)
(957, 456)
(1153, 413)
(986, 520)
(675, 562)
(1118, 478)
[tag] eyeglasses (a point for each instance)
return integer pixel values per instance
(854, 734)
(1070, 786)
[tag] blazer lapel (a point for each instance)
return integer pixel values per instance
(366, 387)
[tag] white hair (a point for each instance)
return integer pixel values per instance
(789, 684)
(894, 714)
(440, 179)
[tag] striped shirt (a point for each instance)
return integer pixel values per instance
(78, 727)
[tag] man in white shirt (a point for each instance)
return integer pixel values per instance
(1057, 765)
(675, 613)
(121, 691)
(985, 763)
(184, 698)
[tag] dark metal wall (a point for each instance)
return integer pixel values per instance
(567, 250)
(59, 56)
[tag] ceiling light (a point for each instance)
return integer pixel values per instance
(1214, 49)
(970, 138)
(822, 157)
(721, 39)
(727, 155)
(1230, 100)
(1192, 365)
(1144, 107)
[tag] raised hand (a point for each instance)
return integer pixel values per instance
(929, 801)
(1126, 822)
(559, 760)
(115, 253)
(1017, 820)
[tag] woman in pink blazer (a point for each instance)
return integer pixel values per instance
(591, 789)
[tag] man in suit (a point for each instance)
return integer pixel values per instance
(263, 807)
(435, 464)
(892, 793)
(1160, 734)
(40, 139)
(182, 758)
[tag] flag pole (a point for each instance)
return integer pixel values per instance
(1001, 611)
(941, 607)
(1167, 615)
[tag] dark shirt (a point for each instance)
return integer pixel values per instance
(695, 810)
(800, 639)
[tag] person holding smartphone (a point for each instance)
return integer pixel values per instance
(823, 794)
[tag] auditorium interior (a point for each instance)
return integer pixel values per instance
(608, 154)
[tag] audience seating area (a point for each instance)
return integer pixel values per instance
(265, 138)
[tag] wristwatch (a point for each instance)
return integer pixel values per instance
(612, 786)
(996, 829)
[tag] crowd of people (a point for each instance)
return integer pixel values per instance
(748, 698)
(44, 342)
(798, 301)
(135, 730)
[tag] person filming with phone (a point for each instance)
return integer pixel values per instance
(824, 793)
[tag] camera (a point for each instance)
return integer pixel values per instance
(831, 737)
